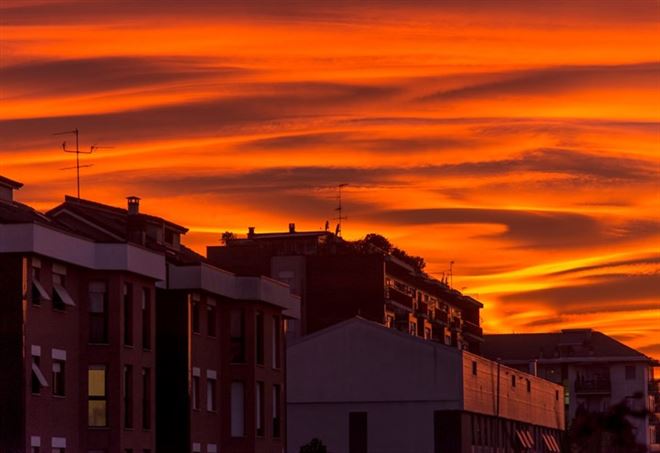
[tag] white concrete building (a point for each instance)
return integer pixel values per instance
(361, 387)
(596, 371)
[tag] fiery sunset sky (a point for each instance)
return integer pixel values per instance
(520, 139)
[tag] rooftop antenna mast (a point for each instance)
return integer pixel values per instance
(339, 208)
(77, 153)
(451, 274)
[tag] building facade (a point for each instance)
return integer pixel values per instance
(220, 354)
(64, 380)
(360, 387)
(337, 282)
(596, 371)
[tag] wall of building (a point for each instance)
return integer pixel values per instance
(12, 385)
(531, 400)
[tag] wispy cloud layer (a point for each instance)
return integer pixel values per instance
(518, 139)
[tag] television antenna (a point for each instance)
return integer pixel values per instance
(339, 211)
(77, 152)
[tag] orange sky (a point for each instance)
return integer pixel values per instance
(519, 139)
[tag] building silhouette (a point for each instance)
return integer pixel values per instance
(336, 282)
(118, 338)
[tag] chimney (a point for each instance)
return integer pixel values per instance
(7, 187)
(133, 205)
(292, 228)
(250, 232)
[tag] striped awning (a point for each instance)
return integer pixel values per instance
(551, 443)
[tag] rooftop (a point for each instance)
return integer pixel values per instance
(569, 343)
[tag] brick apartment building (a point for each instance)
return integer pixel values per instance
(67, 383)
(116, 338)
(596, 371)
(336, 283)
(219, 339)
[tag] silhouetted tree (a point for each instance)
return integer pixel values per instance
(314, 446)
(609, 432)
(227, 236)
(376, 243)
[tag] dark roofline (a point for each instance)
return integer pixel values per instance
(96, 205)
(10, 183)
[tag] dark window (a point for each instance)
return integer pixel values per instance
(169, 236)
(237, 406)
(98, 313)
(97, 397)
(474, 367)
(237, 333)
(38, 292)
(59, 284)
(146, 318)
(194, 307)
(556, 395)
(59, 374)
(195, 392)
(210, 394)
(529, 385)
(277, 410)
(34, 450)
(357, 432)
(128, 314)
(277, 333)
(513, 380)
(146, 398)
(128, 396)
(630, 372)
(261, 428)
(259, 337)
(38, 379)
(210, 318)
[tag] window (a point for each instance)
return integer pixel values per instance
(211, 448)
(194, 308)
(97, 397)
(259, 337)
(277, 334)
(474, 367)
(513, 380)
(412, 328)
(61, 297)
(128, 314)
(38, 378)
(146, 318)
(210, 390)
(237, 333)
(556, 395)
(146, 398)
(35, 444)
(128, 396)
(59, 375)
(529, 386)
(630, 372)
(277, 417)
(427, 333)
(58, 444)
(98, 313)
(38, 291)
(259, 412)
(211, 322)
(195, 389)
(237, 409)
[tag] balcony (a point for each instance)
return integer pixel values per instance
(593, 386)
(395, 295)
(472, 329)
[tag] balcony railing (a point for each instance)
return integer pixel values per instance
(472, 329)
(399, 297)
(593, 386)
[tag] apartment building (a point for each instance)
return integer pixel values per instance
(70, 382)
(220, 380)
(360, 387)
(337, 282)
(596, 371)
